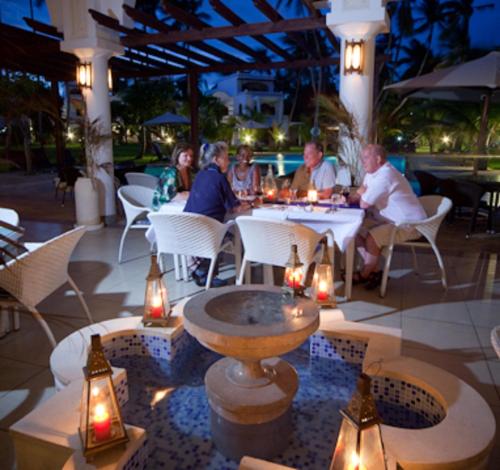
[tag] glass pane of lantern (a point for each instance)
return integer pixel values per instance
(293, 277)
(356, 57)
(348, 57)
(323, 287)
(345, 451)
(156, 303)
(104, 416)
(372, 454)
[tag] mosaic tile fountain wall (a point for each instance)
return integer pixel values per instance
(168, 399)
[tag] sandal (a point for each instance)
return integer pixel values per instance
(374, 280)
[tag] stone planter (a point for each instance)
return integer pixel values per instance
(87, 204)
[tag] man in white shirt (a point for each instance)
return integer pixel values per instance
(388, 199)
(316, 170)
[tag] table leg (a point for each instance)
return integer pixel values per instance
(237, 251)
(349, 262)
(490, 212)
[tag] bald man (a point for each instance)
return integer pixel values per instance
(388, 199)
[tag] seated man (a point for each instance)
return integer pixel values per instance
(316, 170)
(389, 199)
(211, 195)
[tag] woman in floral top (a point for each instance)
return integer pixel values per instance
(175, 178)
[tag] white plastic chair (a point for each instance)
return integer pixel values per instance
(142, 179)
(34, 275)
(436, 208)
(269, 242)
(188, 234)
(136, 201)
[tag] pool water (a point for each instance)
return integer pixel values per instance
(168, 399)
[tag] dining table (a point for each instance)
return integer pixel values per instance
(342, 220)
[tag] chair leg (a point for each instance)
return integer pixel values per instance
(268, 274)
(44, 325)
(185, 273)
(211, 270)
(441, 265)
(415, 262)
(241, 274)
(122, 241)
(16, 319)
(177, 268)
(385, 275)
(4, 321)
(81, 299)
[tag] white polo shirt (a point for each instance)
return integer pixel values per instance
(390, 193)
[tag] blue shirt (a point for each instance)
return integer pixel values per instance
(211, 194)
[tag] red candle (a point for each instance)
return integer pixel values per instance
(156, 308)
(270, 194)
(294, 278)
(322, 294)
(102, 423)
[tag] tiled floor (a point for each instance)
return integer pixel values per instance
(449, 328)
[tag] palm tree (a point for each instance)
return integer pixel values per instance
(402, 23)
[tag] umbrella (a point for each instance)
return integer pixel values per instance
(470, 81)
(167, 118)
(250, 124)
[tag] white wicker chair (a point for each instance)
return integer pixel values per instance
(436, 208)
(136, 201)
(188, 234)
(495, 339)
(142, 179)
(269, 241)
(34, 275)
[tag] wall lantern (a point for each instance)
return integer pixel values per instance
(353, 57)
(110, 80)
(294, 274)
(101, 423)
(359, 445)
(156, 304)
(323, 286)
(84, 75)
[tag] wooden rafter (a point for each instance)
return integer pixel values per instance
(235, 20)
(222, 32)
(154, 23)
(196, 23)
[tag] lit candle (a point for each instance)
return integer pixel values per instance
(102, 423)
(355, 463)
(322, 291)
(294, 278)
(312, 195)
(156, 308)
(270, 194)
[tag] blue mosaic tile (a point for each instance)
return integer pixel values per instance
(338, 348)
(138, 461)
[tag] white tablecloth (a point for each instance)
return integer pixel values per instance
(344, 222)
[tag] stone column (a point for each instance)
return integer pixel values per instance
(357, 20)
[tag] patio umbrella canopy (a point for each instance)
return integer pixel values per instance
(166, 118)
(471, 81)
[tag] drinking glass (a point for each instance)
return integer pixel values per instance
(345, 192)
(336, 201)
(293, 194)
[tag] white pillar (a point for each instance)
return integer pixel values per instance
(95, 44)
(354, 20)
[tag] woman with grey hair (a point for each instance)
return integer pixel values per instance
(211, 195)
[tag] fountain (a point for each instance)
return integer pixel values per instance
(250, 391)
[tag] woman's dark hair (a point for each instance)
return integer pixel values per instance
(242, 148)
(179, 148)
(317, 145)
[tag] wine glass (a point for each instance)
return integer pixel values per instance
(345, 192)
(336, 201)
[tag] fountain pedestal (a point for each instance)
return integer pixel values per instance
(250, 392)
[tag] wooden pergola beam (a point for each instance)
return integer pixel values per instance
(43, 28)
(314, 12)
(154, 23)
(235, 20)
(180, 15)
(223, 32)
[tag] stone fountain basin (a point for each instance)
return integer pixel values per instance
(248, 322)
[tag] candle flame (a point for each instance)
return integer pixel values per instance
(100, 413)
(156, 301)
(323, 286)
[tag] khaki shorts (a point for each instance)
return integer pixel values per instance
(381, 232)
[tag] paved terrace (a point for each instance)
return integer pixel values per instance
(448, 329)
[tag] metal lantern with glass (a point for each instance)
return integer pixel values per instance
(156, 305)
(84, 75)
(353, 57)
(101, 423)
(270, 188)
(323, 285)
(359, 445)
(294, 274)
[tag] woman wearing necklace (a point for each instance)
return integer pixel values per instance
(244, 177)
(177, 177)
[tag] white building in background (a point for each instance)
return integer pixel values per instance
(244, 93)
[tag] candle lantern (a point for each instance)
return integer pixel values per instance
(84, 75)
(101, 424)
(323, 285)
(353, 57)
(359, 445)
(156, 305)
(110, 80)
(312, 193)
(294, 274)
